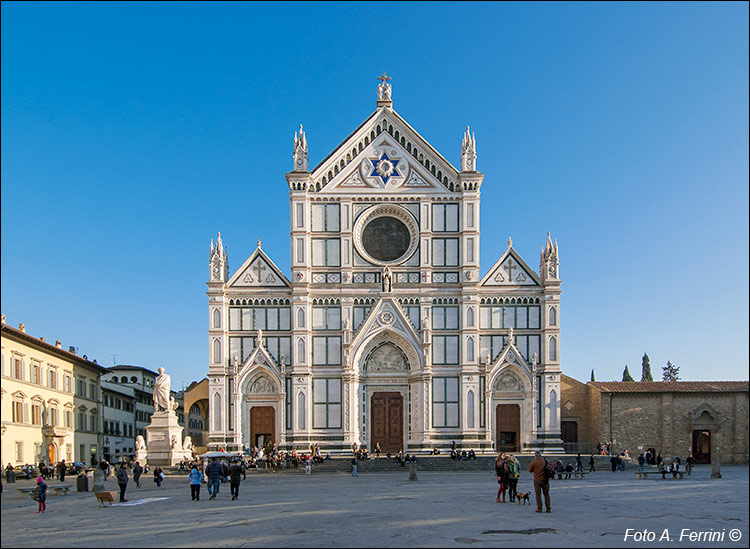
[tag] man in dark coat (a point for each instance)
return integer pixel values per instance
(122, 480)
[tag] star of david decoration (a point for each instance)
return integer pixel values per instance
(384, 168)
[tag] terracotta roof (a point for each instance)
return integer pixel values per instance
(671, 386)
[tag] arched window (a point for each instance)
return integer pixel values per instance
(553, 348)
(216, 412)
(552, 408)
(217, 318)
(217, 351)
(195, 409)
(470, 408)
(123, 379)
(470, 349)
(300, 318)
(301, 411)
(470, 316)
(133, 379)
(301, 350)
(552, 316)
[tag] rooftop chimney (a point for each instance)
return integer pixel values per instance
(58, 344)
(72, 349)
(22, 327)
(42, 339)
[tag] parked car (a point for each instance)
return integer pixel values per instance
(75, 468)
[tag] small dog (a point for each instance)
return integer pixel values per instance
(523, 496)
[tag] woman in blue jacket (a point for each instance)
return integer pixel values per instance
(195, 477)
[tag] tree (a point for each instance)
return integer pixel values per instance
(626, 375)
(592, 375)
(670, 372)
(646, 369)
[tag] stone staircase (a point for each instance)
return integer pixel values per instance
(435, 463)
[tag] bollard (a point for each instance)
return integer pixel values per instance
(715, 467)
(413, 470)
(10, 476)
(98, 480)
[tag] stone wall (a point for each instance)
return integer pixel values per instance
(665, 421)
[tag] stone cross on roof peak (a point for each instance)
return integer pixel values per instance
(384, 90)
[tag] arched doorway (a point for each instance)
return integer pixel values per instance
(508, 427)
(262, 426)
(702, 446)
(52, 453)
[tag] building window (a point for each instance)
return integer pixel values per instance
(18, 368)
(278, 346)
(413, 312)
(470, 349)
(470, 316)
(552, 316)
(445, 317)
(288, 401)
(506, 316)
(19, 452)
(240, 348)
(94, 422)
(444, 349)
(470, 250)
(326, 318)
(17, 411)
(52, 378)
(327, 403)
(553, 348)
(53, 416)
(217, 318)
(82, 421)
(445, 252)
(36, 374)
(68, 419)
(81, 387)
(326, 350)
(217, 351)
(248, 319)
(326, 252)
(552, 408)
(325, 218)
(470, 409)
(445, 402)
(539, 403)
(445, 218)
(300, 215)
(36, 413)
(359, 313)
(93, 392)
(67, 384)
(301, 411)
(300, 318)
(301, 350)
(482, 401)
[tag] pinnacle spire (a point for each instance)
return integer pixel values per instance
(469, 152)
(299, 154)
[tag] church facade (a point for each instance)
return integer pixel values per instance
(385, 331)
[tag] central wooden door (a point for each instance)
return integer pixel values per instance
(262, 423)
(508, 431)
(387, 422)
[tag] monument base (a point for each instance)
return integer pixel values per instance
(164, 440)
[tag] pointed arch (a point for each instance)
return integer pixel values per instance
(470, 409)
(553, 348)
(552, 408)
(301, 410)
(217, 351)
(300, 350)
(553, 316)
(470, 349)
(470, 316)
(216, 412)
(217, 318)
(300, 318)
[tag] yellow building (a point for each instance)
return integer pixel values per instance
(50, 401)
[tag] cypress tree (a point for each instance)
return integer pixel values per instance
(592, 375)
(646, 369)
(626, 375)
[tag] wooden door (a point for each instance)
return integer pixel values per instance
(508, 431)
(262, 423)
(702, 446)
(387, 422)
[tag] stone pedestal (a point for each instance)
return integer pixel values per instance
(164, 440)
(715, 467)
(141, 456)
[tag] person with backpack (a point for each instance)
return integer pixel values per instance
(543, 471)
(514, 471)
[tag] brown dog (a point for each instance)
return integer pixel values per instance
(523, 496)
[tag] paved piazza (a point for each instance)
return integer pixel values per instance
(386, 510)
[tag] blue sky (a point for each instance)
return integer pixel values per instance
(132, 132)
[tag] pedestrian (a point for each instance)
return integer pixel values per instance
(158, 475)
(689, 462)
(641, 461)
(234, 479)
(137, 472)
(514, 471)
(104, 466)
(213, 472)
(308, 466)
(122, 480)
(501, 468)
(41, 494)
(195, 477)
(675, 467)
(579, 463)
(591, 463)
(538, 466)
(61, 470)
(613, 463)
(377, 449)
(354, 466)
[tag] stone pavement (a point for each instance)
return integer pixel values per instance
(440, 509)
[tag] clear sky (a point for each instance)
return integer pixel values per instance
(133, 132)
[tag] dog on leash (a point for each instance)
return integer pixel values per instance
(523, 496)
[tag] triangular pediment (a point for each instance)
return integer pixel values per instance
(511, 270)
(511, 355)
(258, 271)
(259, 360)
(385, 315)
(385, 153)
